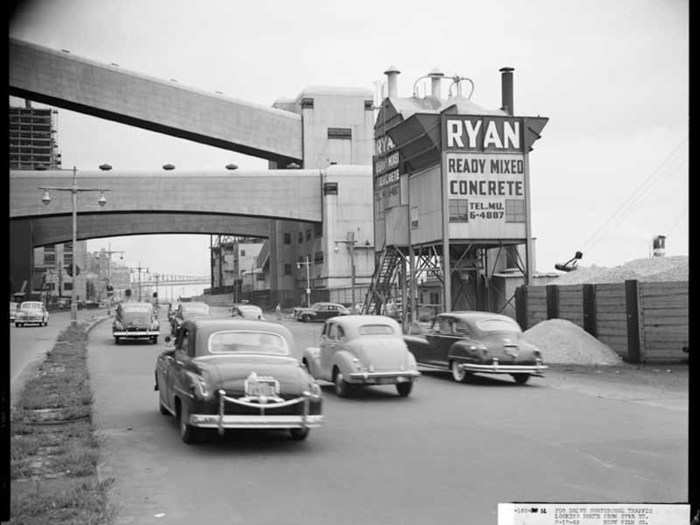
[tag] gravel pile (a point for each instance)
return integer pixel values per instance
(647, 270)
(561, 341)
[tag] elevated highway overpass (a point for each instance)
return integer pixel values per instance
(61, 79)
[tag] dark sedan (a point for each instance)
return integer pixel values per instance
(321, 312)
(469, 342)
(134, 320)
(236, 373)
(186, 312)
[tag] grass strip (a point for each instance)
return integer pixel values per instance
(54, 451)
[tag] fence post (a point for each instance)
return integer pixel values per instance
(634, 353)
(521, 306)
(552, 291)
(590, 310)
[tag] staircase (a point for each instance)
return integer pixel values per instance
(384, 275)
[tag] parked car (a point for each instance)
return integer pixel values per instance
(31, 312)
(13, 310)
(482, 342)
(236, 373)
(135, 320)
(357, 350)
(248, 311)
(321, 312)
(186, 311)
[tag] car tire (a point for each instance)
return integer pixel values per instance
(17, 325)
(521, 379)
(404, 389)
(299, 434)
(342, 387)
(304, 318)
(116, 340)
(188, 433)
(459, 376)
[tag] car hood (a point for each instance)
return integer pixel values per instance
(382, 352)
(230, 372)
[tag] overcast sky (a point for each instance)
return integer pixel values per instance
(609, 173)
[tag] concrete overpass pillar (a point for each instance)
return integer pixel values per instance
(21, 255)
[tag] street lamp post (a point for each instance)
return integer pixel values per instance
(306, 263)
(350, 242)
(74, 190)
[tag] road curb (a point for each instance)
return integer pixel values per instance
(94, 323)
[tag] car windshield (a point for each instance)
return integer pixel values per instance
(136, 307)
(247, 342)
(498, 325)
(375, 329)
(31, 306)
(196, 308)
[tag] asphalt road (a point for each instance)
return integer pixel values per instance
(447, 454)
(29, 344)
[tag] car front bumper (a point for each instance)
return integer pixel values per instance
(135, 333)
(496, 368)
(382, 378)
(222, 421)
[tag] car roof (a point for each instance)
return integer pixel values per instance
(474, 315)
(203, 327)
(355, 321)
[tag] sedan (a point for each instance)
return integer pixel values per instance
(358, 350)
(135, 320)
(32, 312)
(248, 311)
(321, 312)
(468, 342)
(235, 373)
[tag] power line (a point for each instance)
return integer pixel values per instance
(635, 196)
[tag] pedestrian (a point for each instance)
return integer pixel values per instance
(278, 312)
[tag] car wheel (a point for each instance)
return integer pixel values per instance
(116, 340)
(404, 389)
(299, 434)
(521, 379)
(304, 318)
(17, 325)
(188, 433)
(342, 388)
(458, 374)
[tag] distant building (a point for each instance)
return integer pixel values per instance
(33, 147)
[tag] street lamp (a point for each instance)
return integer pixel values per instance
(350, 242)
(74, 190)
(306, 263)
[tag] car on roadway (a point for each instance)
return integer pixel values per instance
(358, 350)
(247, 311)
(135, 320)
(468, 342)
(31, 312)
(321, 312)
(186, 311)
(13, 310)
(236, 373)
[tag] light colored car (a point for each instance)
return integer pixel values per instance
(32, 312)
(134, 320)
(356, 350)
(248, 311)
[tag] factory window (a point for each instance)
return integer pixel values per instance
(308, 235)
(458, 210)
(340, 133)
(318, 258)
(242, 253)
(330, 188)
(301, 237)
(67, 286)
(318, 230)
(287, 269)
(287, 238)
(515, 210)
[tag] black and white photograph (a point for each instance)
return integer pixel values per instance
(390, 263)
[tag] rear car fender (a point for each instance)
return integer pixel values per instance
(344, 361)
(312, 355)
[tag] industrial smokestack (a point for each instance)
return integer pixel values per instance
(435, 82)
(507, 89)
(392, 75)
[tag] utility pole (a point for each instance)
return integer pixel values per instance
(139, 269)
(350, 242)
(306, 263)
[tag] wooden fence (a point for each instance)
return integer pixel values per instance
(641, 321)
